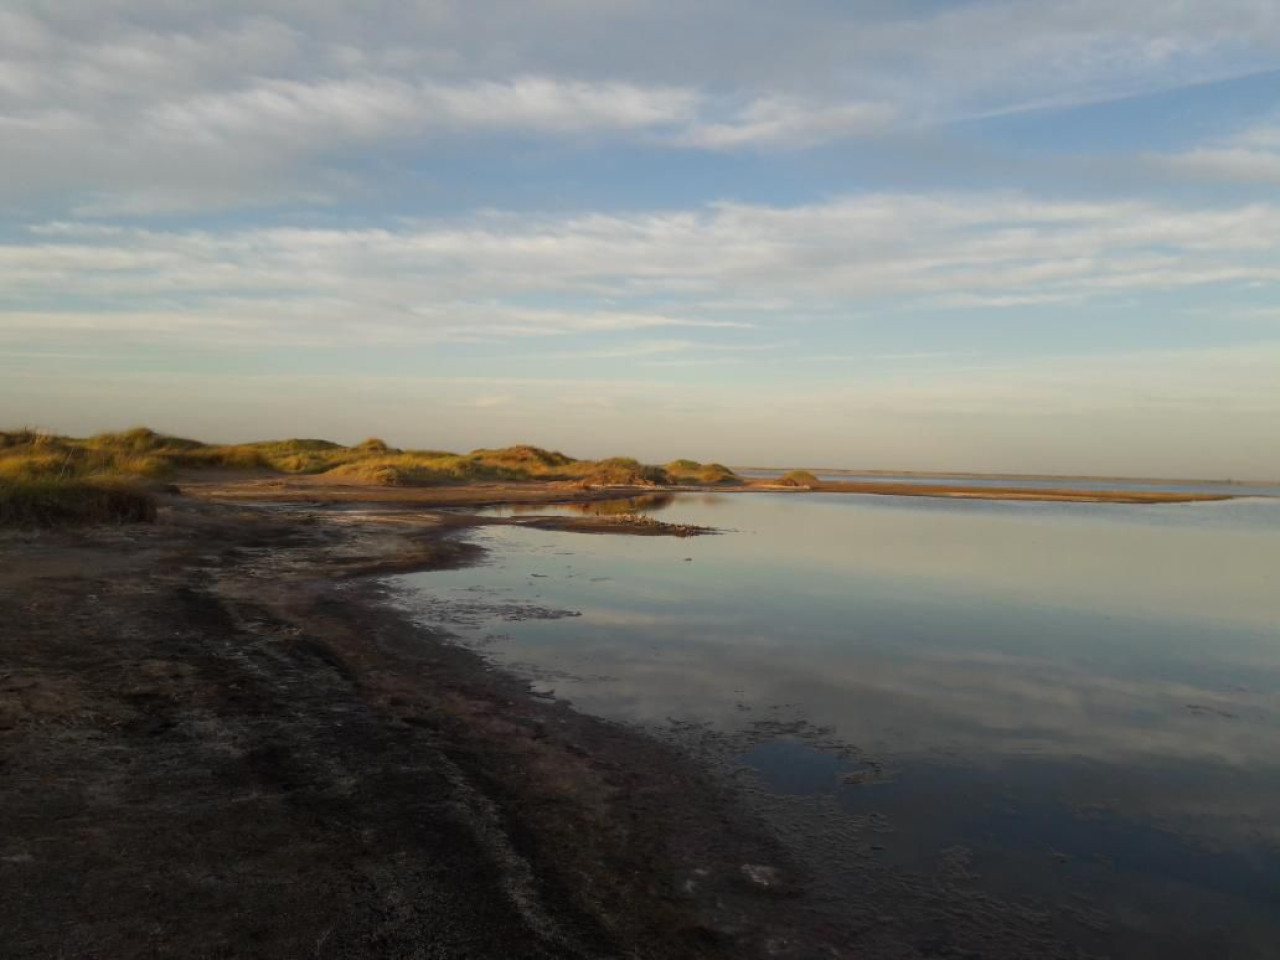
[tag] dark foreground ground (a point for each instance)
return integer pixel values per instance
(217, 740)
(215, 743)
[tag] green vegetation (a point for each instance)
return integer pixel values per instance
(48, 502)
(799, 478)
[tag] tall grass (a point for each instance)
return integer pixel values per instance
(32, 455)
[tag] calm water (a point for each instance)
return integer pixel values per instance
(1082, 699)
(1227, 488)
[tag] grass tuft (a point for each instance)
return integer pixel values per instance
(799, 478)
(624, 472)
(693, 472)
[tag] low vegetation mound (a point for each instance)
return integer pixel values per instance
(395, 471)
(705, 474)
(50, 502)
(28, 454)
(799, 478)
(525, 455)
(624, 472)
(141, 452)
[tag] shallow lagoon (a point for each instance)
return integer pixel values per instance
(1083, 699)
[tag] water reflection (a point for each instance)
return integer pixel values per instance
(1087, 697)
(649, 503)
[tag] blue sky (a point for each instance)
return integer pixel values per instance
(1027, 236)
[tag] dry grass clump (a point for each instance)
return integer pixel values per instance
(392, 471)
(48, 502)
(799, 478)
(525, 456)
(712, 473)
(133, 453)
(25, 437)
(140, 440)
(140, 452)
(30, 455)
(423, 467)
(706, 474)
(303, 455)
(419, 468)
(623, 472)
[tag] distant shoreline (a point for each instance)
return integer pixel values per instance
(313, 490)
(1045, 495)
(971, 475)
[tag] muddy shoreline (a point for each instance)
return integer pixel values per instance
(239, 487)
(218, 739)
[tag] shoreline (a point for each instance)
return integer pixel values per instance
(305, 490)
(224, 731)
(233, 736)
(1053, 479)
(1045, 495)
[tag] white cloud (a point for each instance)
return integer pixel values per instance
(788, 123)
(473, 278)
(137, 109)
(1251, 156)
(289, 113)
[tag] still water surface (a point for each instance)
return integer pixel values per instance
(1084, 698)
(1225, 487)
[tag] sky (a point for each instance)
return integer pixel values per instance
(990, 235)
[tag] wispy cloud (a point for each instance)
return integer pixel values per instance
(469, 279)
(787, 123)
(207, 108)
(1251, 156)
(659, 184)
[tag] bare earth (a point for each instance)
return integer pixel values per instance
(216, 742)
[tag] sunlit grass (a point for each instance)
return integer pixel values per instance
(27, 454)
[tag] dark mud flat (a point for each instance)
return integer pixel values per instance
(215, 743)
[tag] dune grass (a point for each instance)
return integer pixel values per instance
(28, 503)
(30, 455)
(623, 472)
(799, 478)
(702, 474)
